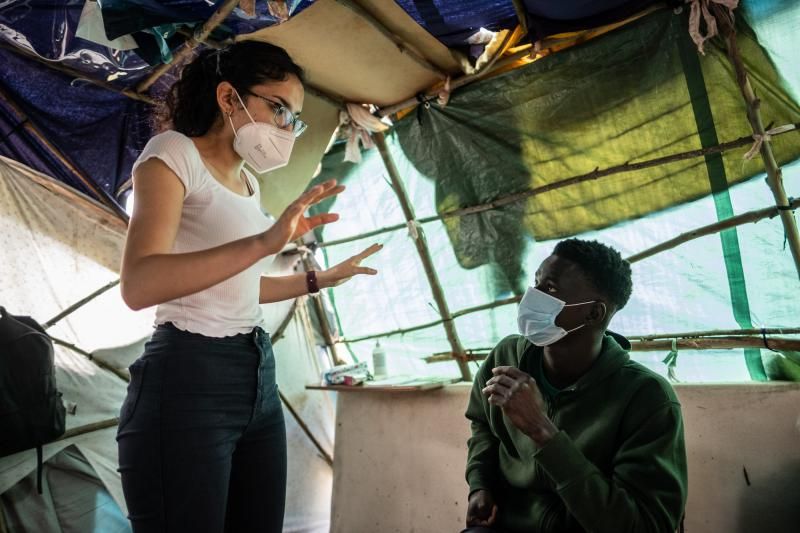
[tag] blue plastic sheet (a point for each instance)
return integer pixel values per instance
(455, 21)
(122, 17)
(546, 18)
(48, 31)
(100, 131)
(571, 9)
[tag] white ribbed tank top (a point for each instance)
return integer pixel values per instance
(212, 215)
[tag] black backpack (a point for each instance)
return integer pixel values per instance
(31, 410)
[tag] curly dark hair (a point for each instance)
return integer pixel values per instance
(191, 107)
(602, 265)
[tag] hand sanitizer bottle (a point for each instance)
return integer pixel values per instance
(379, 361)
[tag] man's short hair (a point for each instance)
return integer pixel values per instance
(602, 265)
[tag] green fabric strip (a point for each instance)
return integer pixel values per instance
(722, 200)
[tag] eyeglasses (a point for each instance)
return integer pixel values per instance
(283, 117)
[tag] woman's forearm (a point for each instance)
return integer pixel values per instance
(159, 278)
(279, 288)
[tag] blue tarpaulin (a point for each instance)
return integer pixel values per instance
(101, 132)
(98, 131)
(454, 21)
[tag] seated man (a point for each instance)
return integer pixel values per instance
(569, 434)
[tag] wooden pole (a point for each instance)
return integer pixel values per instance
(474, 354)
(466, 311)
(103, 215)
(181, 54)
(99, 362)
(522, 14)
(744, 218)
(185, 51)
(401, 45)
(596, 174)
(424, 254)
(717, 333)
(471, 356)
(710, 229)
(99, 192)
(300, 422)
(717, 343)
(360, 236)
(774, 176)
(401, 331)
(516, 299)
(54, 65)
(274, 338)
(665, 345)
(490, 305)
(322, 317)
(77, 305)
(89, 428)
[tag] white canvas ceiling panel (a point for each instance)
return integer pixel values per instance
(345, 55)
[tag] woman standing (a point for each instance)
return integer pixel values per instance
(202, 442)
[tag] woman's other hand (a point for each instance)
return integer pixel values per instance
(338, 274)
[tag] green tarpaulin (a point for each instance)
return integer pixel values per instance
(637, 93)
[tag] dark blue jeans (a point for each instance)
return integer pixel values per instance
(202, 441)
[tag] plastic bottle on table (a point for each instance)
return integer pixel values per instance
(379, 361)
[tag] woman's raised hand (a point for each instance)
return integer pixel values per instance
(293, 222)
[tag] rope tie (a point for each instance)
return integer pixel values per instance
(764, 338)
(444, 93)
(759, 140)
(700, 8)
(767, 137)
(671, 360)
(414, 228)
(357, 124)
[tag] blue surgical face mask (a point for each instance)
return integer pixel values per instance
(537, 315)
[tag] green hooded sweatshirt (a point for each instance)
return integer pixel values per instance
(617, 465)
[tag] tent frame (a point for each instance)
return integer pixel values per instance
(783, 205)
(702, 231)
(572, 180)
(421, 243)
(774, 175)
